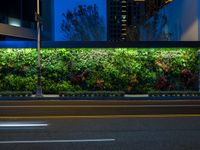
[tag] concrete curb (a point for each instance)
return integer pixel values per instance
(103, 98)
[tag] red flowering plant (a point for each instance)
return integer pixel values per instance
(188, 78)
(162, 84)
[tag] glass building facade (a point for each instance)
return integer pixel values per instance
(18, 13)
(106, 20)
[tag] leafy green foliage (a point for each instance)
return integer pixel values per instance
(133, 70)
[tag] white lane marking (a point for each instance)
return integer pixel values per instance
(58, 141)
(23, 125)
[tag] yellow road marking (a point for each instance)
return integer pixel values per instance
(102, 116)
(96, 106)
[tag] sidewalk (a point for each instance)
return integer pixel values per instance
(126, 97)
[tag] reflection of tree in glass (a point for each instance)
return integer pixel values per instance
(157, 28)
(83, 24)
(132, 33)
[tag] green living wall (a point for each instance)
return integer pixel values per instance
(133, 70)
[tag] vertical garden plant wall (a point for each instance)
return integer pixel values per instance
(133, 70)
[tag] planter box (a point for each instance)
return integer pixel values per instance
(92, 94)
(173, 93)
(16, 94)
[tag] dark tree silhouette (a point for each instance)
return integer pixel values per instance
(83, 24)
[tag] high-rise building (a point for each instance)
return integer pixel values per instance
(124, 15)
(135, 17)
(116, 19)
(135, 11)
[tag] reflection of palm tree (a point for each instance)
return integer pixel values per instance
(132, 33)
(84, 23)
(165, 34)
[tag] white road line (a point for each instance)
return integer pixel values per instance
(57, 141)
(13, 124)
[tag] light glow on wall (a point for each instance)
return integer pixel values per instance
(14, 22)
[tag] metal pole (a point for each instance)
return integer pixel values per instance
(39, 87)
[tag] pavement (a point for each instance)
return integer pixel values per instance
(125, 97)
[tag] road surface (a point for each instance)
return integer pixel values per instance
(101, 125)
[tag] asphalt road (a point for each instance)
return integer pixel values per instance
(169, 133)
(100, 125)
(96, 108)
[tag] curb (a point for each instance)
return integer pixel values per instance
(171, 98)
